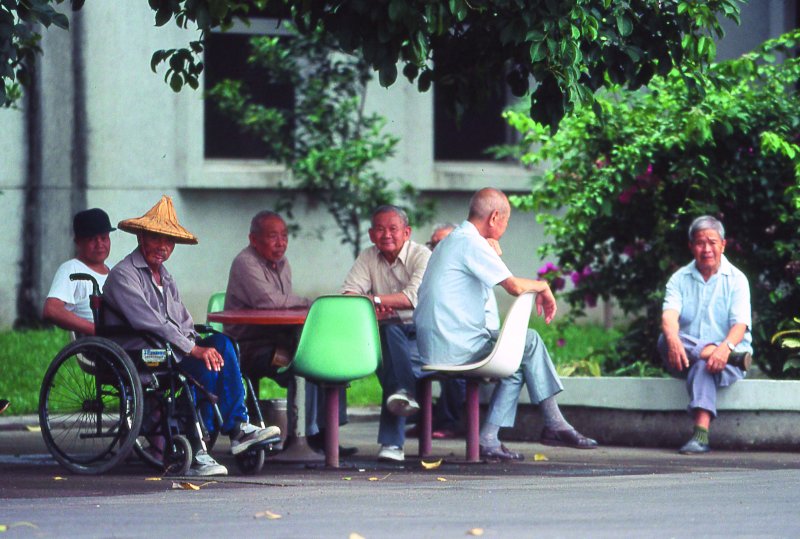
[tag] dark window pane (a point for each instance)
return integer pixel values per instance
(468, 138)
(226, 58)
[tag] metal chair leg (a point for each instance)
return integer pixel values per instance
(473, 420)
(425, 416)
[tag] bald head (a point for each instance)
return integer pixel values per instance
(486, 201)
(489, 211)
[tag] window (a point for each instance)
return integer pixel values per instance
(226, 56)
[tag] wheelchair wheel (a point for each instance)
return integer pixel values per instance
(90, 406)
(178, 460)
(251, 462)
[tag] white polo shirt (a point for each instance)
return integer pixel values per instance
(708, 309)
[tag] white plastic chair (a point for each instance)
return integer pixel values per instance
(502, 361)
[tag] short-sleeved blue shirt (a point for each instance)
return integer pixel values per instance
(708, 309)
(451, 308)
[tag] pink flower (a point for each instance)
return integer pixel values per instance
(578, 276)
(548, 268)
(626, 196)
(561, 342)
(557, 284)
(590, 300)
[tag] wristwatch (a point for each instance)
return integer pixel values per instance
(731, 346)
(376, 300)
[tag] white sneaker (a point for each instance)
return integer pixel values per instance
(250, 435)
(391, 453)
(401, 404)
(203, 465)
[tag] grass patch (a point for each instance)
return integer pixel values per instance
(363, 392)
(24, 358)
(577, 350)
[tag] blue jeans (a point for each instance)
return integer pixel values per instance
(536, 371)
(700, 384)
(225, 384)
(400, 369)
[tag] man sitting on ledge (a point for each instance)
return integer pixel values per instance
(706, 326)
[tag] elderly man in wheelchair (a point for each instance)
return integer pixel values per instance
(205, 399)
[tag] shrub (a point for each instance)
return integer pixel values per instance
(624, 179)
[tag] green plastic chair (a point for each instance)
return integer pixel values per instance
(339, 343)
(216, 303)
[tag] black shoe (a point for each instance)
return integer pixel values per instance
(743, 360)
(317, 443)
(500, 452)
(567, 438)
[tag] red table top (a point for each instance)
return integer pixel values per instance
(275, 317)
(261, 317)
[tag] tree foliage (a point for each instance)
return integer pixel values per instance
(473, 48)
(623, 182)
(326, 139)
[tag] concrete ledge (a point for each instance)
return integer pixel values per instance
(651, 412)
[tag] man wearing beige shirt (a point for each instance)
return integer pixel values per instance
(390, 273)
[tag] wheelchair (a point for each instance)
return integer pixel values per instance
(99, 403)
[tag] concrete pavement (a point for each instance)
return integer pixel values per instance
(611, 491)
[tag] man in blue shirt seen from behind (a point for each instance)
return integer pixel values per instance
(705, 326)
(452, 328)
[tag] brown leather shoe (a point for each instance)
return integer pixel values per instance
(567, 438)
(501, 452)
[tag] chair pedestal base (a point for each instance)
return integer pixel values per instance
(296, 448)
(472, 406)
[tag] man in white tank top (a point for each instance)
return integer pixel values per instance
(67, 303)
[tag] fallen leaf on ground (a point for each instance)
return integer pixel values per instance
(152, 479)
(33, 428)
(373, 479)
(431, 465)
(354, 535)
(59, 478)
(539, 456)
(441, 479)
(5, 528)
(347, 478)
(184, 486)
(475, 531)
(269, 515)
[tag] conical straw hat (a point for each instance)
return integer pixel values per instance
(161, 219)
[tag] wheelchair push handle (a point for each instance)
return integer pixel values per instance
(86, 277)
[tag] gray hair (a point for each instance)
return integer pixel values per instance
(706, 222)
(443, 226)
(487, 200)
(260, 217)
(390, 208)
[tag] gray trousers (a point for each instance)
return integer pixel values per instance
(700, 384)
(536, 372)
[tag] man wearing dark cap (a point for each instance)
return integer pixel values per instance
(67, 303)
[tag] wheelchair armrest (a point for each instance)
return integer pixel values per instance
(204, 328)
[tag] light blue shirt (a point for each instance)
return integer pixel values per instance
(451, 309)
(708, 309)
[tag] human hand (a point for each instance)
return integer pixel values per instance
(546, 304)
(718, 359)
(209, 356)
(676, 354)
(495, 245)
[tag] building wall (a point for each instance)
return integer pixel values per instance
(142, 140)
